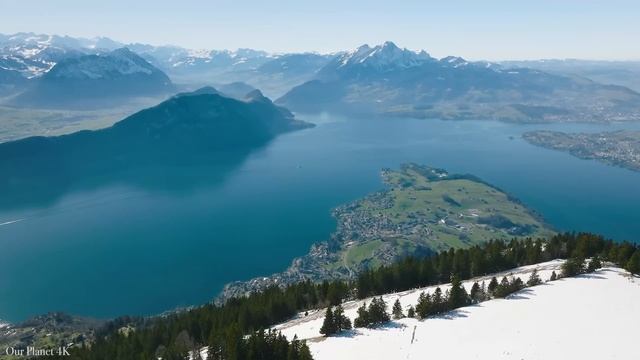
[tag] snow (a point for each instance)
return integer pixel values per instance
(385, 55)
(587, 317)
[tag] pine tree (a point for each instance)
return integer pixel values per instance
(534, 279)
(438, 301)
(474, 293)
(341, 322)
(328, 326)
(554, 276)
(573, 266)
(304, 353)
(458, 296)
(362, 320)
(424, 307)
(594, 264)
(411, 312)
(493, 284)
(378, 312)
(633, 265)
(397, 310)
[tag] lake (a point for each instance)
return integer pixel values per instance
(126, 248)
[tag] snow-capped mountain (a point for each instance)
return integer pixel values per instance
(384, 56)
(96, 80)
(34, 54)
(388, 80)
(117, 63)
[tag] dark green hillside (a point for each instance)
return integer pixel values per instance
(201, 130)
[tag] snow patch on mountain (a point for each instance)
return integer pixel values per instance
(103, 66)
(386, 55)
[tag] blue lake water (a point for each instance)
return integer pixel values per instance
(129, 249)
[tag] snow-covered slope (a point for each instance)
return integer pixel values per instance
(588, 317)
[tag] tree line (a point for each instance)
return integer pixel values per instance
(236, 329)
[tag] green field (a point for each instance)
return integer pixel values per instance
(425, 209)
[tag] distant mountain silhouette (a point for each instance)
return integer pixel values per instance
(387, 80)
(154, 148)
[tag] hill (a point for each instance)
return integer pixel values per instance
(567, 318)
(387, 80)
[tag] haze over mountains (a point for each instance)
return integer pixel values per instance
(389, 80)
(60, 71)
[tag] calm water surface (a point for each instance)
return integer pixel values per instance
(129, 249)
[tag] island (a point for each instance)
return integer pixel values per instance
(422, 210)
(617, 148)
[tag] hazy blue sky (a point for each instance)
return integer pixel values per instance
(489, 29)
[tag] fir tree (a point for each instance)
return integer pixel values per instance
(411, 312)
(474, 293)
(378, 312)
(534, 279)
(341, 322)
(397, 310)
(438, 301)
(328, 326)
(493, 284)
(458, 296)
(304, 353)
(633, 265)
(573, 266)
(424, 307)
(594, 264)
(362, 320)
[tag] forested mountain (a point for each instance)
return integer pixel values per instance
(387, 80)
(203, 129)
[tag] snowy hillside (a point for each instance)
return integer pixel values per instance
(587, 317)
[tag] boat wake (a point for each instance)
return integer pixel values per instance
(11, 222)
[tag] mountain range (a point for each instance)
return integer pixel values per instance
(388, 80)
(61, 71)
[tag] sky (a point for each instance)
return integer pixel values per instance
(474, 29)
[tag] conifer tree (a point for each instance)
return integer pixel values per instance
(304, 353)
(328, 325)
(424, 306)
(362, 320)
(378, 312)
(534, 278)
(458, 296)
(633, 265)
(554, 276)
(594, 264)
(341, 322)
(411, 312)
(474, 293)
(493, 284)
(397, 310)
(573, 266)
